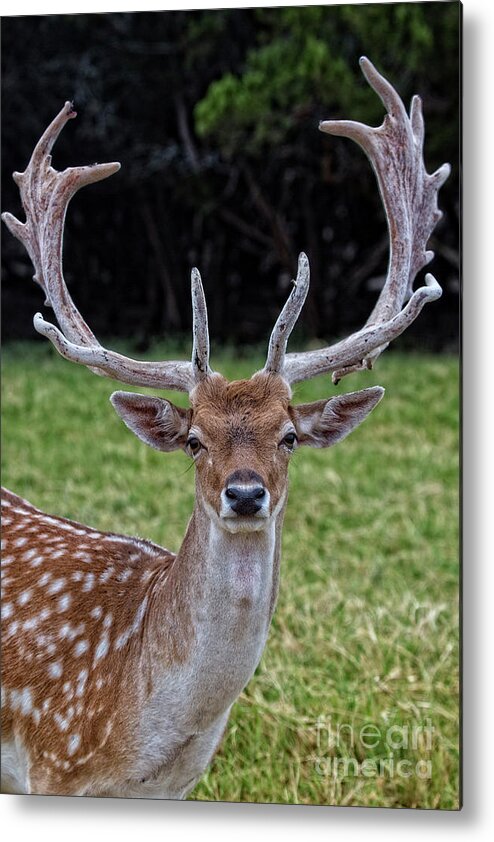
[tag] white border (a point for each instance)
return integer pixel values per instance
(54, 819)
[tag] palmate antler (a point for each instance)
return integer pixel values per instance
(409, 195)
(45, 195)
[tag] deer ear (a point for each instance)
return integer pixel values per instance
(156, 421)
(325, 422)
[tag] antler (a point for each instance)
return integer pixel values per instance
(409, 195)
(45, 195)
(288, 317)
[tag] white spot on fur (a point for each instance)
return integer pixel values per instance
(88, 584)
(32, 623)
(96, 612)
(81, 683)
(123, 638)
(71, 632)
(66, 631)
(81, 647)
(102, 648)
(44, 578)
(55, 669)
(106, 574)
(73, 744)
(25, 596)
(139, 616)
(140, 613)
(62, 722)
(26, 701)
(7, 610)
(64, 602)
(13, 628)
(22, 700)
(19, 542)
(85, 557)
(60, 524)
(56, 585)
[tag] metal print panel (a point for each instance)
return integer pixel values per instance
(250, 645)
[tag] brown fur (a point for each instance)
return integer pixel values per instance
(84, 590)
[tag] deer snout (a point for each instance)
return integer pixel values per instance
(245, 493)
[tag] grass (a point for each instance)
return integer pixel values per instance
(365, 635)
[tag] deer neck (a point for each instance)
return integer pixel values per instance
(232, 576)
(220, 598)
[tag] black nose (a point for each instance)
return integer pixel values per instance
(245, 494)
(245, 500)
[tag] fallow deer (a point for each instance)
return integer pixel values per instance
(120, 659)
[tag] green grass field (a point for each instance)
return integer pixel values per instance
(361, 665)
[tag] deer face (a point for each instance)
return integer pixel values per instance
(241, 436)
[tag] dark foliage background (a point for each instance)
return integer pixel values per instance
(213, 115)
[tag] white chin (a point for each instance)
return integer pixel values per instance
(243, 524)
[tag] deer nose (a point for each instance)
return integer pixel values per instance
(245, 498)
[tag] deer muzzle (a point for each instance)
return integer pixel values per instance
(245, 495)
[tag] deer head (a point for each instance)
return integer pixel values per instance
(241, 436)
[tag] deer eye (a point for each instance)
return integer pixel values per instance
(194, 445)
(290, 440)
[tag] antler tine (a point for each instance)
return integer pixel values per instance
(339, 357)
(200, 332)
(175, 375)
(387, 94)
(287, 319)
(409, 195)
(45, 195)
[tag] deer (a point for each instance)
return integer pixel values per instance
(121, 659)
